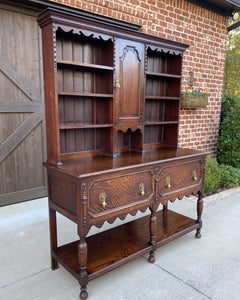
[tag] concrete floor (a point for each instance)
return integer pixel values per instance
(187, 268)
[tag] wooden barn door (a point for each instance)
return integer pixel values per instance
(22, 150)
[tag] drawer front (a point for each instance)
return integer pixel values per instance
(119, 192)
(180, 176)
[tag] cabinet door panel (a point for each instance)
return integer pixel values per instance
(129, 81)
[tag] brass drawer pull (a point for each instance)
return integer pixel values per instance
(102, 199)
(168, 182)
(194, 175)
(141, 189)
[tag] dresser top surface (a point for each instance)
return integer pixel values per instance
(86, 166)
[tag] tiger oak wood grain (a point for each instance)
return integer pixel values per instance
(112, 100)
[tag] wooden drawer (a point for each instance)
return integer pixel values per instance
(179, 176)
(120, 192)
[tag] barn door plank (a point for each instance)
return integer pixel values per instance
(19, 80)
(20, 196)
(19, 134)
(12, 106)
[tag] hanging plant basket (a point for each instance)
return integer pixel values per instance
(193, 97)
(193, 101)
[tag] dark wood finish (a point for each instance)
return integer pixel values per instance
(135, 243)
(115, 108)
(199, 214)
(162, 98)
(129, 82)
(77, 94)
(84, 65)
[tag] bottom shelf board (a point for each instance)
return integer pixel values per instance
(110, 249)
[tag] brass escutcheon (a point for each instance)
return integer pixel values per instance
(102, 199)
(194, 175)
(168, 182)
(141, 189)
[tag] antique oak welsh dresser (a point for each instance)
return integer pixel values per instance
(112, 98)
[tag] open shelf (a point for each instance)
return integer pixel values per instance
(161, 112)
(85, 139)
(161, 98)
(158, 62)
(82, 49)
(155, 74)
(82, 65)
(163, 87)
(75, 126)
(123, 243)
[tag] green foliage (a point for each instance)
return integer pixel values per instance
(232, 63)
(213, 175)
(220, 176)
(228, 147)
(229, 100)
(230, 176)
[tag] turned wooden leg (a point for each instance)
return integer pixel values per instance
(199, 215)
(53, 236)
(152, 227)
(82, 257)
(165, 206)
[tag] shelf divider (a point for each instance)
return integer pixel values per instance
(161, 123)
(84, 65)
(75, 126)
(161, 98)
(155, 74)
(81, 94)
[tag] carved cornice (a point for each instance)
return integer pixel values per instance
(84, 32)
(164, 50)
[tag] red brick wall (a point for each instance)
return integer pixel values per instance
(203, 30)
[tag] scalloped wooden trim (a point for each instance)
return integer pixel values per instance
(122, 217)
(180, 196)
(85, 32)
(164, 50)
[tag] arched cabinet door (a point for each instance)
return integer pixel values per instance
(129, 82)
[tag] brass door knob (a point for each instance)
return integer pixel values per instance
(141, 189)
(102, 199)
(194, 175)
(117, 83)
(168, 182)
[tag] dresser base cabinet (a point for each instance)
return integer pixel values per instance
(77, 192)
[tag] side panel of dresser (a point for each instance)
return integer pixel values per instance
(96, 199)
(64, 194)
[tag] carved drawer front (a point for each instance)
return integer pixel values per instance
(119, 192)
(180, 176)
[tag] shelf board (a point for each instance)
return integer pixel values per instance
(80, 154)
(155, 74)
(161, 123)
(90, 95)
(75, 126)
(110, 249)
(84, 65)
(161, 98)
